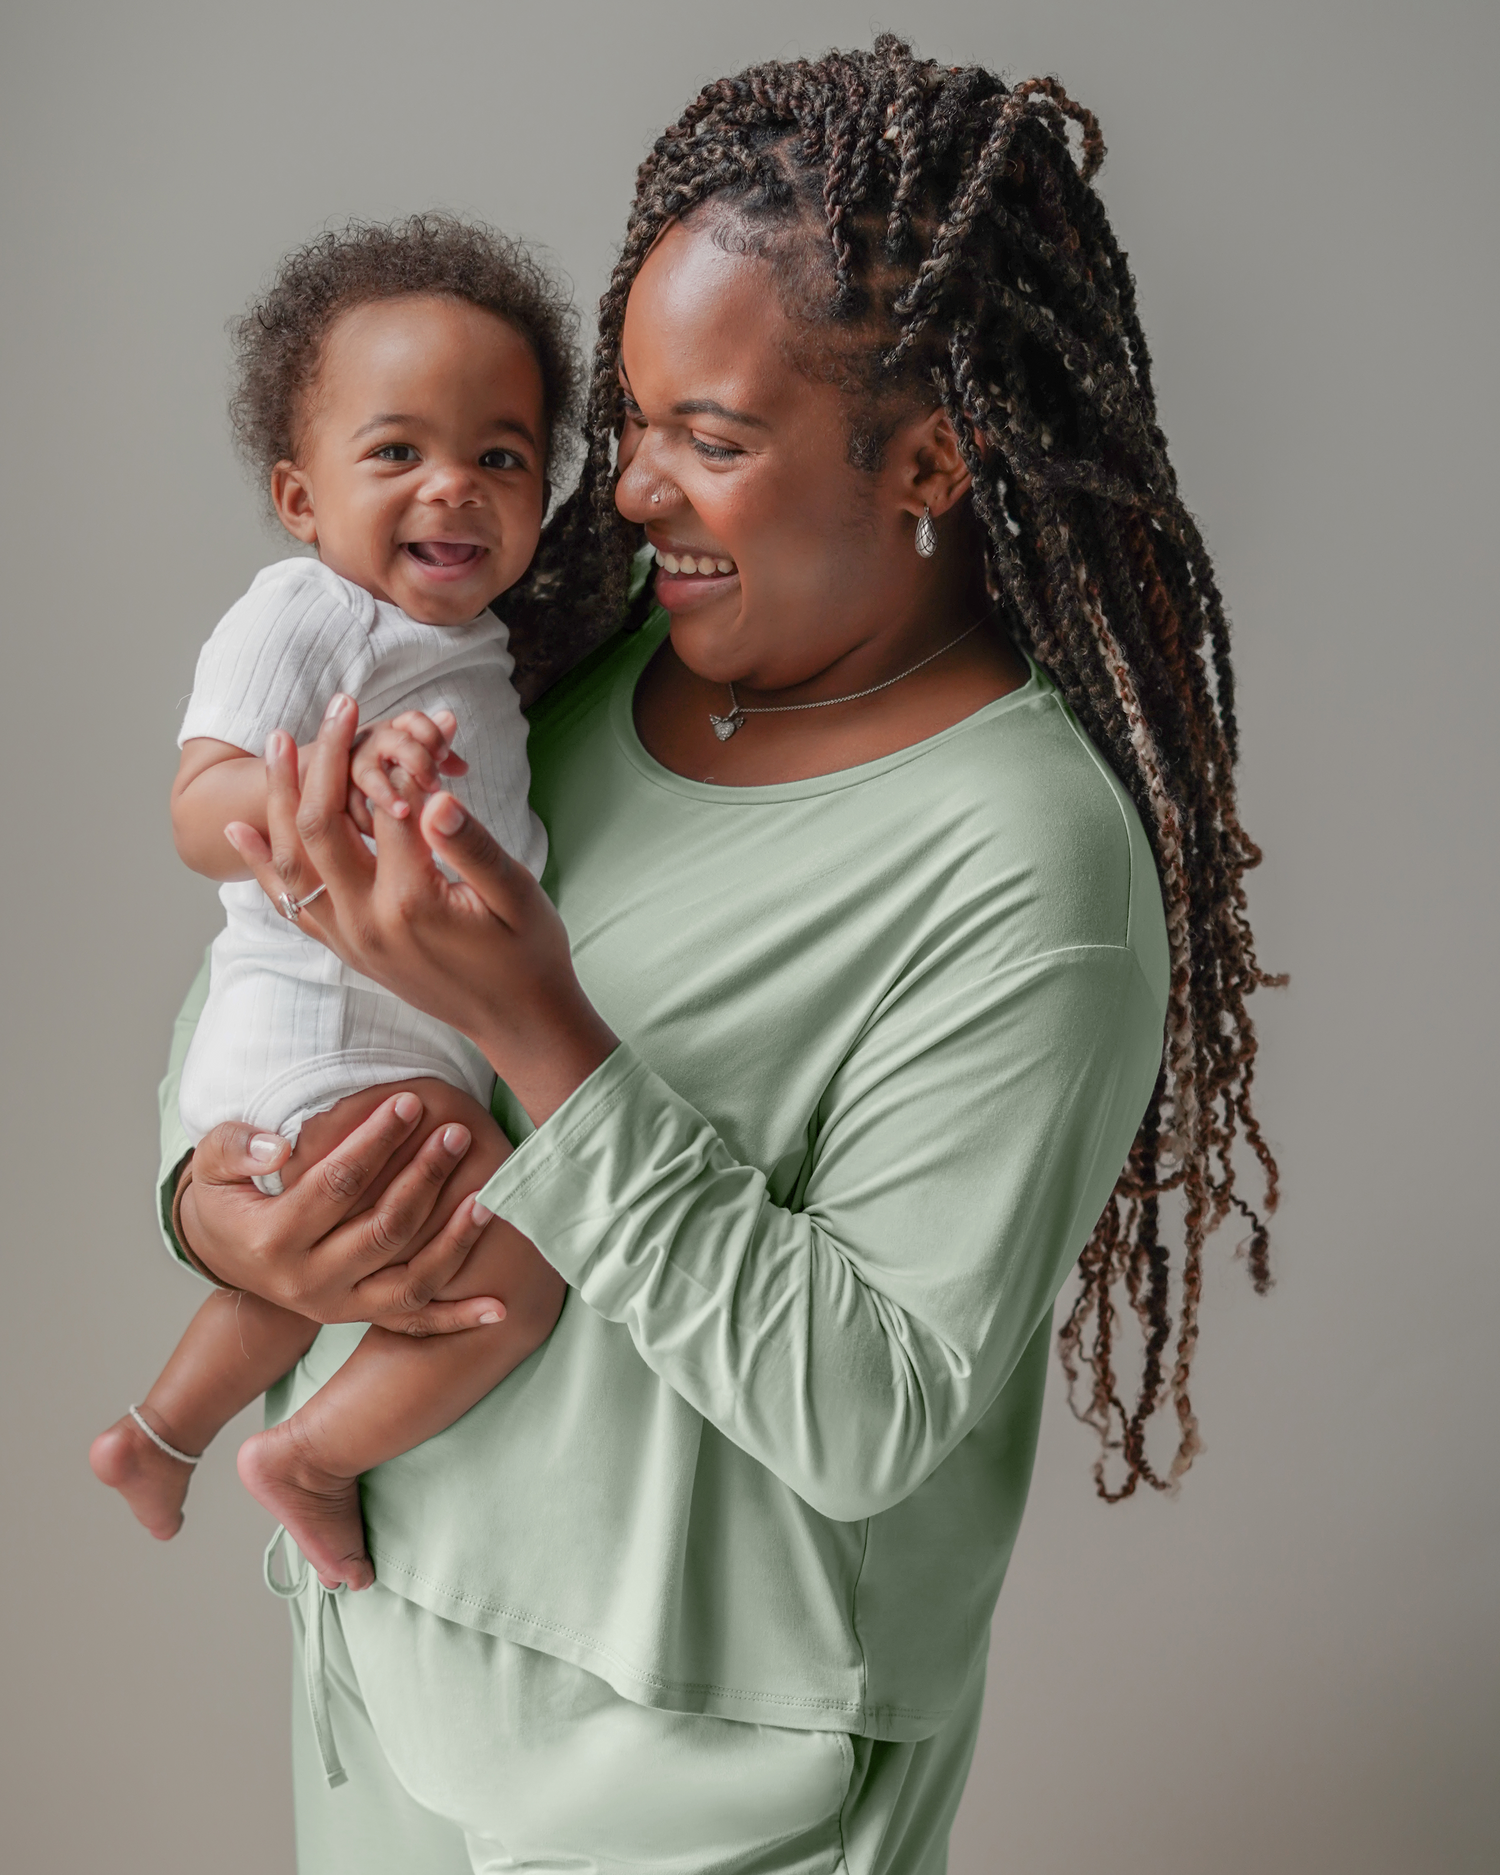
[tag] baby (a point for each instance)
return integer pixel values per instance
(401, 388)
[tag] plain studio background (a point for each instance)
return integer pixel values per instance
(1291, 1667)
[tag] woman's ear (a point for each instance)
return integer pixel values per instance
(292, 498)
(928, 464)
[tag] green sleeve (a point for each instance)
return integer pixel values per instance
(175, 1144)
(849, 1336)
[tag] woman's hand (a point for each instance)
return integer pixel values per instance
(488, 955)
(305, 1252)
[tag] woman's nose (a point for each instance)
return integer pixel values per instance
(642, 492)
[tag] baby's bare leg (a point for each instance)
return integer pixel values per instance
(234, 1348)
(394, 1392)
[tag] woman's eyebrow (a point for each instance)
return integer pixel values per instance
(708, 407)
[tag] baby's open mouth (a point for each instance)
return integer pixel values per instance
(443, 553)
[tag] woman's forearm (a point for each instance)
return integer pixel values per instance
(851, 1342)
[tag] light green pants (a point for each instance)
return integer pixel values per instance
(466, 1754)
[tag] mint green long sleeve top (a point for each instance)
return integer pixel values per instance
(887, 1037)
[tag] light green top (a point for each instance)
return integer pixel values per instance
(888, 1035)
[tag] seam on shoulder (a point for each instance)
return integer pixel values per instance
(1112, 783)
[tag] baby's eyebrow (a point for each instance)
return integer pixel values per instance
(382, 422)
(395, 419)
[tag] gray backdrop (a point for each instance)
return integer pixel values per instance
(1293, 1665)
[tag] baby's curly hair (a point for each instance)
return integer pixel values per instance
(278, 344)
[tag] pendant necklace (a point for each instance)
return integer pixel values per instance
(725, 726)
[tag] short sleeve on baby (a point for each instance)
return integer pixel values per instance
(298, 636)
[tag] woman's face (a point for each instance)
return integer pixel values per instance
(747, 455)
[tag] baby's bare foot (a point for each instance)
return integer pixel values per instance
(320, 1511)
(152, 1484)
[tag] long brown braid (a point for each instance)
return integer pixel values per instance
(936, 232)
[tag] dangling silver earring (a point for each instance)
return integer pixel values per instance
(926, 535)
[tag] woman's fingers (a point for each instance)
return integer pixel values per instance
(325, 1195)
(359, 811)
(250, 843)
(448, 1318)
(310, 827)
(285, 875)
(236, 1151)
(465, 844)
(401, 1298)
(393, 1224)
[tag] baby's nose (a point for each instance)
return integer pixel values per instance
(450, 481)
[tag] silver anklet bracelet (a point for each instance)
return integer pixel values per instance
(159, 1442)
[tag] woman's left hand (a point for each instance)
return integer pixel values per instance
(488, 955)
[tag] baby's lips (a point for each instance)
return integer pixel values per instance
(445, 552)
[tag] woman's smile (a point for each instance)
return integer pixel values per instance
(687, 576)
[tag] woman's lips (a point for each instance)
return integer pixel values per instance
(684, 578)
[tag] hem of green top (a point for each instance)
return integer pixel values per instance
(757, 1706)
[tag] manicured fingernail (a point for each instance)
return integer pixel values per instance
(233, 837)
(491, 1316)
(455, 1139)
(479, 1213)
(447, 816)
(337, 704)
(407, 1106)
(265, 1147)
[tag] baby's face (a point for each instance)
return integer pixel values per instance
(420, 464)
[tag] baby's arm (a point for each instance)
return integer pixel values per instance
(218, 783)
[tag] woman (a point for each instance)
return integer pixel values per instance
(850, 1010)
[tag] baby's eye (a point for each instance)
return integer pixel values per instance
(396, 452)
(501, 459)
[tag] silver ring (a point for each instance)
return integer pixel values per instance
(290, 907)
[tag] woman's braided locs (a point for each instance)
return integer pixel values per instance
(936, 238)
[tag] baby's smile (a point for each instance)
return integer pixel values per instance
(444, 559)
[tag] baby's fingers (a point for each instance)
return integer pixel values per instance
(370, 777)
(435, 733)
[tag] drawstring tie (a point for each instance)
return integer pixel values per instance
(315, 1654)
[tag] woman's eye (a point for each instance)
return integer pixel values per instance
(396, 452)
(715, 452)
(501, 459)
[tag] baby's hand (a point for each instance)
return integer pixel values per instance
(391, 759)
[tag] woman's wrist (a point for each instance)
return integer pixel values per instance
(179, 1230)
(542, 1073)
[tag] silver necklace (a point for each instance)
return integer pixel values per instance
(725, 726)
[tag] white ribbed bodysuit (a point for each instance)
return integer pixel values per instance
(288, 1030)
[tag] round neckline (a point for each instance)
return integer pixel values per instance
(622, 717)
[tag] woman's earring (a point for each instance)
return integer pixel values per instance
(926, 535)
